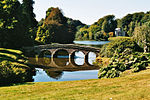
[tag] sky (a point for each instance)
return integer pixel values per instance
(89, 11)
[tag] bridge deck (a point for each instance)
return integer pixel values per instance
(70, 46)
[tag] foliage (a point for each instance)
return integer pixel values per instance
(111, 34)
(76, 24)
(55, 28)
(98, 30)
(120, 44)
(109, 24)
(124, 61)
(142, 37)
(14, 73)
(101, 61)
(13, 31)
(30, 23)
(13, 68)
(54, 74)
(49, 11)
(130, 21)
(27, 7)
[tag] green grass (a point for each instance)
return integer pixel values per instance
(132, 87)
(118, 38)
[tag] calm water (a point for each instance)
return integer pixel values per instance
(91, 42)
(65, 72)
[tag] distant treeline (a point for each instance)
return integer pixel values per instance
(105, 27)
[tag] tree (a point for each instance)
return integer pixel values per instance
(142, 36)
(96, 31)
(55, 28)
(109, 24)
(93, 29)
(80, 35)
(30, 20)
(14, 25)
(49, 11)
(11, 27)
(56, 15)
(130, 21)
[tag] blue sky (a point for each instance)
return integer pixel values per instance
(89, 11)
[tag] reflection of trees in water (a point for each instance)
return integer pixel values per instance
(54, 74)
(44, 61)
(58, 61)
(61, 61)
(31, 73)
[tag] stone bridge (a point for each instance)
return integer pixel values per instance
(54, 50)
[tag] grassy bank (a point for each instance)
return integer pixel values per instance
(118, 38)
(132, 87)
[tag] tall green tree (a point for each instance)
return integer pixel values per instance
(55, 28)
(29, 20)
(130, 21)
(14, 30)
(109, 24)
(11, 28)
(142, 36)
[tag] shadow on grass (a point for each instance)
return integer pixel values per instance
(16, 84)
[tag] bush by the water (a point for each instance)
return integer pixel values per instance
(13, 68)
(126, 60)
(120, 44)
(14, 73)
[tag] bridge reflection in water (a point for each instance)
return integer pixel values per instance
(54, 63)
(62, 61)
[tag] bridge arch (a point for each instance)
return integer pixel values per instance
(61, 51)
(45, 53)
(83, 54)
(91, 58)
(44, 57)
(60, 57)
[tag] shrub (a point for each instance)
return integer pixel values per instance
(14, 73)
(111, 34)
(118, 46)
(126, 60)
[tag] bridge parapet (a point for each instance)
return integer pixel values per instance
(67, 46)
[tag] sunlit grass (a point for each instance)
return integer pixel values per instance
(118, 38)
(131, 87)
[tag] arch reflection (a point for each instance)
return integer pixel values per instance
(91, 57)
(54, 74)
(61, 58)
(79, 58)
(44, 58)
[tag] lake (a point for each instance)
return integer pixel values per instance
(79, 71)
